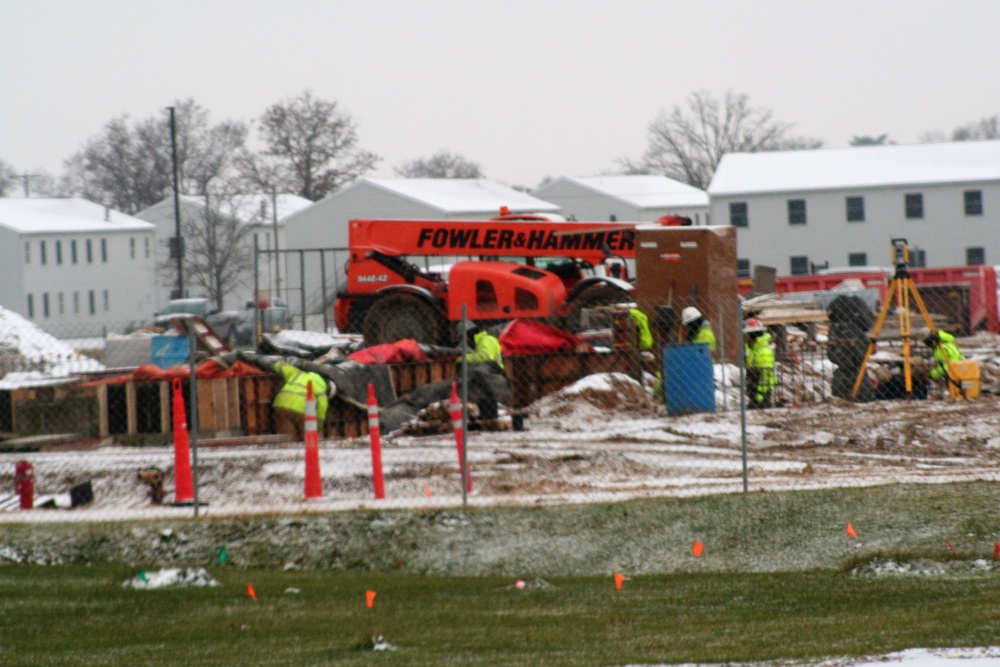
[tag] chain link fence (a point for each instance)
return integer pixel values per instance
(581, 411)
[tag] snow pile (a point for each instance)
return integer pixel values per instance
(923, 568)
(597, 396)
(30, 356)
(173, 577)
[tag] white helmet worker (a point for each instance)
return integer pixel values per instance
(690, 314)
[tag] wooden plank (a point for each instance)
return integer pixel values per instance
(103, 428)
(131, 409)
(166, 418)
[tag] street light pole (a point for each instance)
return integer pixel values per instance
(177, 247)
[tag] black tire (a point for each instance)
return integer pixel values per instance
(398, 316)
(601, 295)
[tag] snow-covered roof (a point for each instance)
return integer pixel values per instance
(644, 191)
(462, 195)
(857, 167)
(256, 207)
(46, 216)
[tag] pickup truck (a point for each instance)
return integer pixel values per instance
(235, 326)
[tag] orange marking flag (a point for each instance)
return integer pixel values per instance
(619, 580)
(370, 598)
(996, 551)
(251, 592)
(697, 549)
(850, 531)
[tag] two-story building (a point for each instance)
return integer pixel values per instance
(800, 210)
(75, 268)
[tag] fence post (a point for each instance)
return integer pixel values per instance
(466, 485)
(193, 395)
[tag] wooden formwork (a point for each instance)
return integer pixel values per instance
(533, 376)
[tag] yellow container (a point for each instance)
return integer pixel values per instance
(964, 374)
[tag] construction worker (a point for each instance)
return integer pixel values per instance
(759, 364)
(289, 406)
(698, 329)
(486, 357)
(485, 347)
(945, 351)
(643, 334)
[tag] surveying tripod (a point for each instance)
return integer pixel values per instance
(901, 290)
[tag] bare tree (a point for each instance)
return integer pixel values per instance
(866, 140)
(129, 166)
(310, 147)
(8, 179)
(218, 257)
(986, 128)
(687, 144)
(440, 165)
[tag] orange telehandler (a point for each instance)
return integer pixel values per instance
(500, 269)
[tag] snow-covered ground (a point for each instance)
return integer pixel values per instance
(602, 439)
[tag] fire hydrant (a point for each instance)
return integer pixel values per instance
(24, 484)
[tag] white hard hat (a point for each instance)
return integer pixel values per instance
(753, 325)
(689, 315)
(331, 389)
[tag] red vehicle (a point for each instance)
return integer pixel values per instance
(410, 278)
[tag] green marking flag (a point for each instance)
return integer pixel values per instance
(223, 555)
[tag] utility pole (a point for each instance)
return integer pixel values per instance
(277, 255)
(177, 242)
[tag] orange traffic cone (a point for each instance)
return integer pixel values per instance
(313, 483)
(183, 478)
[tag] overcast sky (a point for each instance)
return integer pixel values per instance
(525, 89)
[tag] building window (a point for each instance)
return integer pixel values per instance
(857, 259)
(72, 251)
(104, 250)
(76, 303)
(42, 255)
(743, 268)
(107, 301)
(855, 209)
(918, 258)
(145, 246)
(27, 252)
(62, 303)
(738, 216)
(131, 247)
(90, 252)
(914, 206)
(31, 306)
(796, 211)
(58, 252)
(93, 302)
(799, 265)
(45, 305)
(975, 256)
(973, 202)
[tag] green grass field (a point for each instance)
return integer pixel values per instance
(774, 583)
(71, 615)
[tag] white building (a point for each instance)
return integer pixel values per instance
(626, 198)
(324, 225)
(263, 214)
(842, 207)
(75, 268)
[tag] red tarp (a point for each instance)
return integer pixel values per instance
(531, 337)
(207, 370)
(390, 353)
